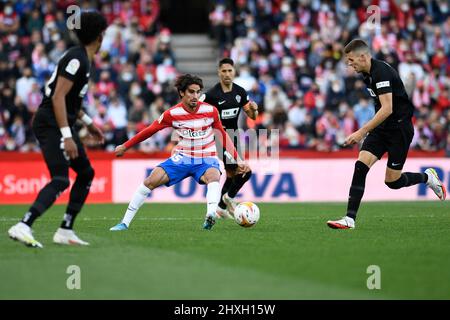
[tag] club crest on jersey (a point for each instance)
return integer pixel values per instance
(238, 98)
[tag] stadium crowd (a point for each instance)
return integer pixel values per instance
(132, 82)
(288, 55)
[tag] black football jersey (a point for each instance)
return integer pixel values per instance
(384, 79)
(229, 104)
(73, 65)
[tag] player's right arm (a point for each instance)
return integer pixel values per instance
(161, 123)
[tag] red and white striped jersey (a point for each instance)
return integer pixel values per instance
(195, 128)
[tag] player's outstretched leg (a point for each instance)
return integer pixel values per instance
(136, 202)
(435, 184)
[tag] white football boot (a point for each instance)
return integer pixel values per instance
(223, 214)
(67, 236)
(436, 184)
(344, 223)
(230, 202)
(23, 233)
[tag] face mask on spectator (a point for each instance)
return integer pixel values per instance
(127, 76)
(56, 37)
(324, 8)
(411, 26)
(12, 39)
(275, 38)
(301, 62)
(8, 10)
(167, 62)
(285, 7)
(444, 7)
(252, 35)
(148, 77)
(136, 90)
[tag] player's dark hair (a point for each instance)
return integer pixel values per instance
(92, 24)
(185, 80)
(226, 61)
(356, 45)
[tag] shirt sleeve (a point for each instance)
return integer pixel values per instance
(161, 123)
(70, 67)
(382, 80)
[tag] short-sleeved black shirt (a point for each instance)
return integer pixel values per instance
(229, 104)
(73, 65)
(385, 79)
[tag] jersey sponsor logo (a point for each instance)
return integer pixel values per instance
(371, 92)
(73, 66)
(229, 113)
(238, 98)
(193, 133)
(382, 84)
(221, 102)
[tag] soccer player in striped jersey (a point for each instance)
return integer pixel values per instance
(195, 155)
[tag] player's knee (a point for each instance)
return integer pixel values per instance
(87, 175)
(60, 183)
(397, 184)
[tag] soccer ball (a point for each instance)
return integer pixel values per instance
(246, 214)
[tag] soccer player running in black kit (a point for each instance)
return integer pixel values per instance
(229, 99)
(59, 143)
(390, 130)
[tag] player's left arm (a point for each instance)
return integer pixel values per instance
(227, 143)
(92, 128)
(251, 110)
(383, 113)
(250, 107)
(383, 84)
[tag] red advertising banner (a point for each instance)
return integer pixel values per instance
(21, 181)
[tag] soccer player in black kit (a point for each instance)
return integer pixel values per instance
(230, 99)
(59, 143)
(390, 130)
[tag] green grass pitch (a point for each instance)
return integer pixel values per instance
(289, 254)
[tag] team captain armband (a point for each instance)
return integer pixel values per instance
(383, 84)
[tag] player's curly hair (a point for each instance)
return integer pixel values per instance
(185, 80)
(92, 24)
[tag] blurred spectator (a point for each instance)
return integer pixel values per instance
(288, 54)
